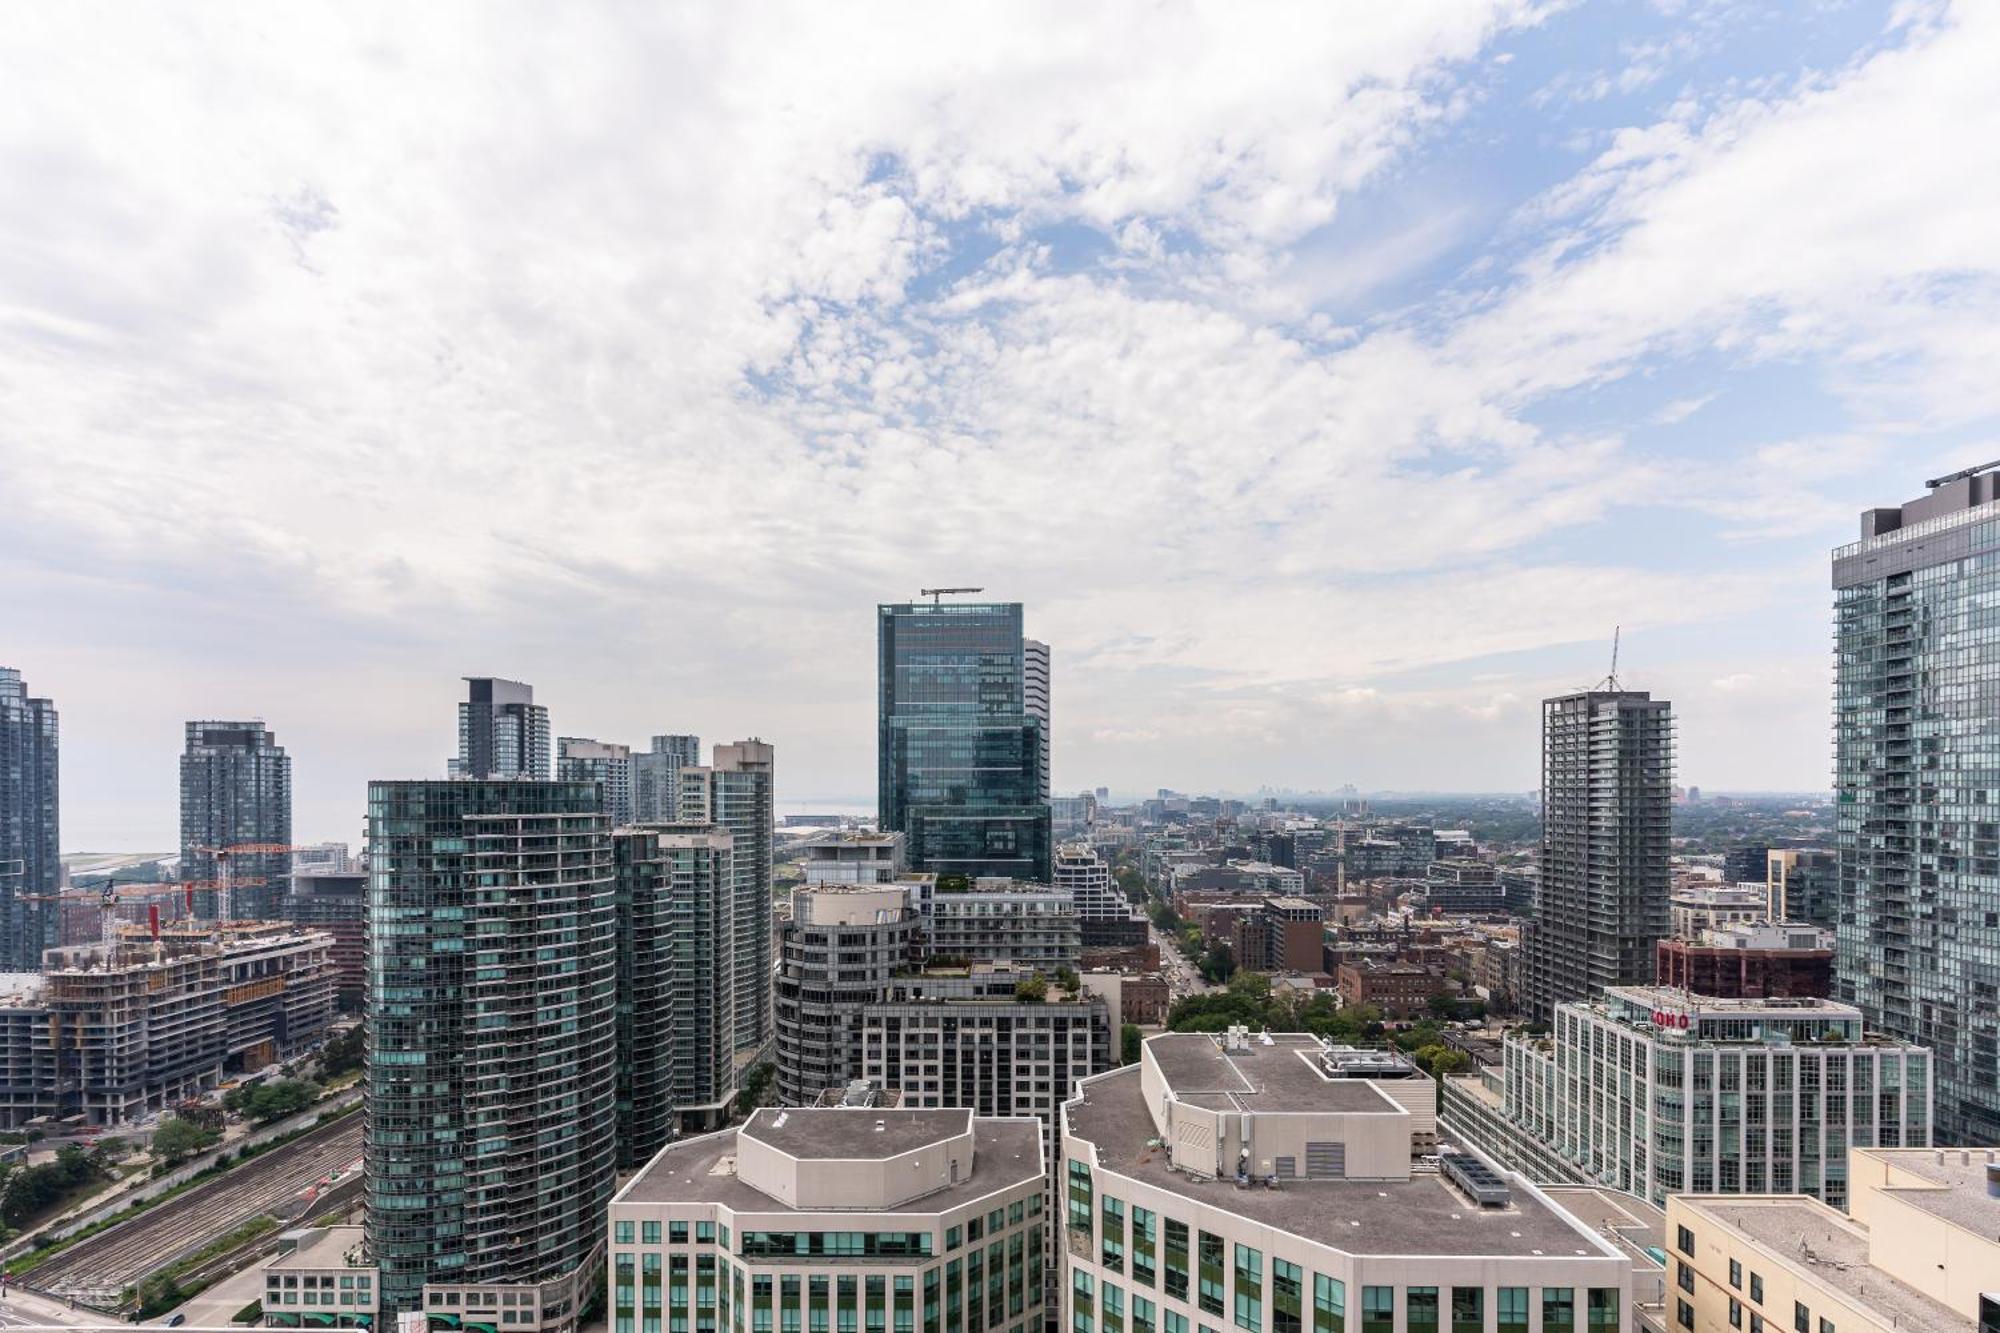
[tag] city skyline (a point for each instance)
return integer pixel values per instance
(1329, 392)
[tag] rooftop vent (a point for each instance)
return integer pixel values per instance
(1477, 1179)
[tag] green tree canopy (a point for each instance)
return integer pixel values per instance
(176, 1140)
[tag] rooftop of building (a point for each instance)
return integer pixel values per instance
(1290, 903)
(1423, 1215)
(1674, 999)
(1278, 1072)
(1637, 1227)
(21, 990)
(1798, 1229)
(322, 1247)
(1956, 1184)
(136, 948)
(1714, 893)
(1006, 1152)
(819, 1134)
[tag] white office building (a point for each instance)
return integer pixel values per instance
(835, 1220)
(1254, 1184)
(1084, 873)
(1659, 1091)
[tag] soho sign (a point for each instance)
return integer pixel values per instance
(1663, 1019)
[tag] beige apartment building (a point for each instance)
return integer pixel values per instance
(1917, 1251)
(853, 1219)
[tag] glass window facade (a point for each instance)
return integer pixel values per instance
(1917, 801)
(959, 754)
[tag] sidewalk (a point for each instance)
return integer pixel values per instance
(32, 1307)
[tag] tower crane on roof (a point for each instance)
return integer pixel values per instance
(936, 593)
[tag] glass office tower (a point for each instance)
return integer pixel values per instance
(1917, 786)
(959, 750)
(30, 806)
(491, 1092)
(236, 791)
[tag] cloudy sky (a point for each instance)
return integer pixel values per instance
(1328, 380)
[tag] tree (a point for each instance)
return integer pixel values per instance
(1254, 985)
(1442, 1005)
(344, 1053)
(1129, 1041)
(272, 1101)
(1031, 990)
(176, 1140)
(756, 1087)
(159, 1294)
(1439, 1060)
(1067, 978)
(1216, 965)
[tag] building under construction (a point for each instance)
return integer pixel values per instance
(109, 1033)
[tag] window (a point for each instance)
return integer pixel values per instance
(621, 1233)
(1468, 1310)
(1684, 1240)
(1756, 1322)
(1210, 1273)
(1113, 1303)
(677, 1233)
(1249, 1289)
(1512, 1309)
(1143, 1311)
(1378, 1309)
(1079, 1194)
(1176, 1323)
(1287, 1297)
(1757, 1288)
(1177, 1259)
(1604, 1310)
(1685, 1313)
(1825, 1325)
(953, 1238)
(1145, 1231)
(1420, 1309)
(1801, 1317)
(1112, 1251)
(1736, 1274)
(1684, 1276)
(1735, 1313)
(1558, 1310)
(1329, 1304)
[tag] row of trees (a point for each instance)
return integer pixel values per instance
(1248, 999)
(26, 1192)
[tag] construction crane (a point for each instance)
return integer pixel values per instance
(936, 593)
(224, 863)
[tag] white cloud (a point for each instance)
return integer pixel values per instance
(641, 352)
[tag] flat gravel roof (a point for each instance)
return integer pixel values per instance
(1419, 1216)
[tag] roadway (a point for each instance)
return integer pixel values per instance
(99, 1267)
(1183, 979)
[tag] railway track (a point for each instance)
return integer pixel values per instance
(99, 1268)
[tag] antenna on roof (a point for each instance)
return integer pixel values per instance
(935, 593)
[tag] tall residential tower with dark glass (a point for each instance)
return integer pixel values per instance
(1607, 811)
(30, 806)
(959, 744)
(489, 1142)
(1917, 786)
(236, 791)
